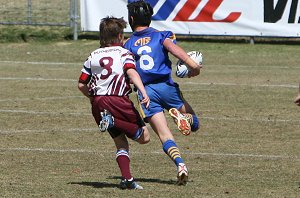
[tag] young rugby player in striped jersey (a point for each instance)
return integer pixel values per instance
(105, 80)
(151, 48)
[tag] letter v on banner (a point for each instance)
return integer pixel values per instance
(206, 14)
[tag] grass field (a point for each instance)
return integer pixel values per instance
(248, 145)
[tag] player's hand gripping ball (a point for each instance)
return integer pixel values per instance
(182, 70)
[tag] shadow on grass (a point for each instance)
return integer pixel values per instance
(148, 180)
(96, 184)
(116, 185)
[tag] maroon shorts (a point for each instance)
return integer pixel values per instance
(126, 118)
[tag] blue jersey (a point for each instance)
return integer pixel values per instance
(152, 60)
(155, 68)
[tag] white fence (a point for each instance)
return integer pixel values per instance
(40, 13)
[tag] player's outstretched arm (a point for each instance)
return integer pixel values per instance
(84, 89)
(136, 80)
(82, 84)
(179, 53)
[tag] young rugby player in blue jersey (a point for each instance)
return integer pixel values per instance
(105, 80)
(151, 48)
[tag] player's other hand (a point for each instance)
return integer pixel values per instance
(194, 71)
(145, 101)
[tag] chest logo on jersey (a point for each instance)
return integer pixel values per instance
(142, 41)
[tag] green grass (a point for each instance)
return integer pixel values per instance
(21, 34)
(248, 145)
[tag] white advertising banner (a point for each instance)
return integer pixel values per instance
(278, 18)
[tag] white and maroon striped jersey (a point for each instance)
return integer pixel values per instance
(106, 67)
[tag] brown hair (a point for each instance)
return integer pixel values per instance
(110, 28)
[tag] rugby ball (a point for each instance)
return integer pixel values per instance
(182, 70)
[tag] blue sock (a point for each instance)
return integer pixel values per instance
(171, 149)
(195, 125)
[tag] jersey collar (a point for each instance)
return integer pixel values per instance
(145, 31)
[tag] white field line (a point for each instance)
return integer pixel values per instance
(42, 112)
(35, 98)
(204, 117)
(80, 63)
(249, 119)
(37, 79)
(26, 131)
(184, 83)
(241, 155)
(39, 63)
(236, 84)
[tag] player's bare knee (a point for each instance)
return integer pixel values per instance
(143, 140)
(145, 137)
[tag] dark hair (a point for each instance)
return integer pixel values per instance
(139, 13)
(110, 28)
